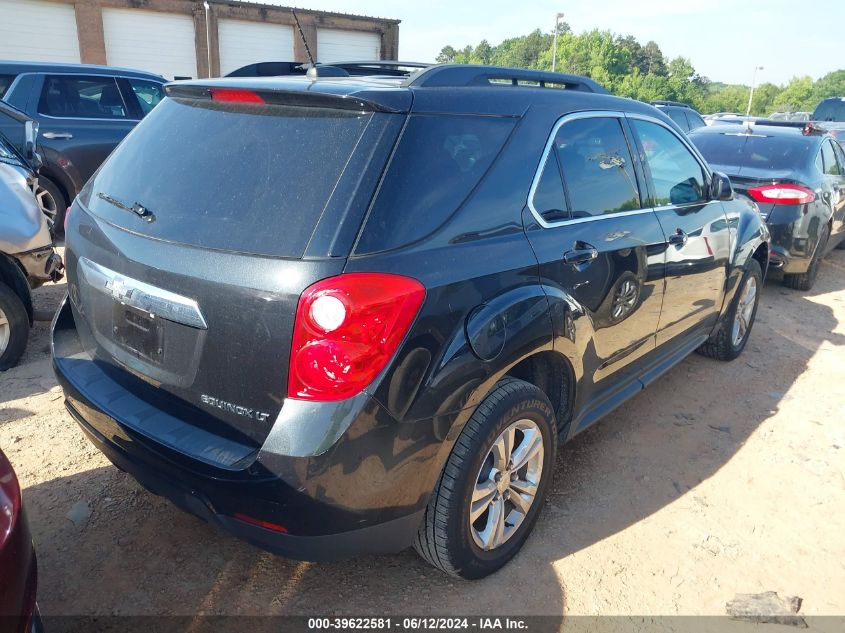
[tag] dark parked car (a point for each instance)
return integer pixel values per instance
(27, 257)
(18, 570)
(681, 113)
(830, 113)
(337, 316)
(796, 174)
(83, 111)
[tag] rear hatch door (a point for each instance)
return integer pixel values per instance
(189, 248)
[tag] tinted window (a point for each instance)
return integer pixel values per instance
(83, 97)
(549, 200)
(677, 176)
(5, 82)
(249, 178)
(695, 121)
(771, 153)
(840, 155)
(148, 93)
(597, 168)
(830, 110)
(437, 164)
(678, 117)
(831, 167)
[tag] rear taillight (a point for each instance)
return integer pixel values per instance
(235, 95)
(782, 194)
(347, 329)
(10, 499)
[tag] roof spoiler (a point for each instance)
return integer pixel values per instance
(466, 75)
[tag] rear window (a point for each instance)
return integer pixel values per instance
(438, 162)
(830, 110)
(252, 179)
(755, 151)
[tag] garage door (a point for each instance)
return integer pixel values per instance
(337, 46)
(243, 43)
(156, 42)
(39, 31)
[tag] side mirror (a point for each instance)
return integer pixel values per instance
(720, 187)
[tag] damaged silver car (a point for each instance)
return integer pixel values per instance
(27, 256)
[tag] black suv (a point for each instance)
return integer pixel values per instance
(343, 315)
(83, 112)
(681, 113)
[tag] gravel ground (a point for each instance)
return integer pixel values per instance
(719, 479)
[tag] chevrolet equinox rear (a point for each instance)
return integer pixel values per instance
(340, 315)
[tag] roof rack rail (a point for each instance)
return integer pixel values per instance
(465, 75)
(671, 103)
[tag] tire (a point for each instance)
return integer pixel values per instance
(53, 204)
(805, 281)
(724, 344)
(446, 539)
(14, 327)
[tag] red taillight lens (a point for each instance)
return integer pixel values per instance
(235, 95)
(782, 194)
(10, 499)
(347, 328)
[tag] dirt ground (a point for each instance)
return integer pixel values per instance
(719, 479)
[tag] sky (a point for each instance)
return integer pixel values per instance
(724, 39)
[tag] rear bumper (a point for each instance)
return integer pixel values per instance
(359, 494)
(789, 253)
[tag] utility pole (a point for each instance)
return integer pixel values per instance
(554, 46)
(207, 36)
(753, 84)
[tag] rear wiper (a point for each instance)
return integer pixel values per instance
(138, 209)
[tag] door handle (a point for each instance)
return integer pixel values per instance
(581, 254)
(678, 238)
(54, 135)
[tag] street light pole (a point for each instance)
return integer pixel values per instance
(207, 36)
(554, 46)
(753, 84)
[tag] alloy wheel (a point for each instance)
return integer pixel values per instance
(744, 311)
(507, 484)
(5, 332)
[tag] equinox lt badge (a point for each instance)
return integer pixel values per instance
(234, 408)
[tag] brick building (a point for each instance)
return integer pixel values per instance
(179, 38)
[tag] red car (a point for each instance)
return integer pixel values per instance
(18, 575)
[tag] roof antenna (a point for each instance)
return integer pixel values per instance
(304, 41)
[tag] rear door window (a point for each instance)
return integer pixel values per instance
(597, 166)
(237, 177)
(71, 96)
(549, 199)
(677, 176)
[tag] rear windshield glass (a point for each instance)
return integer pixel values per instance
(245, 178)
(439, 161)
(759, 152)
(830, 110)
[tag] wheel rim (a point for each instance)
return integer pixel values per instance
(507, 484)
(5, 332)
(744, 311)
(626, 297)
(47, 203)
